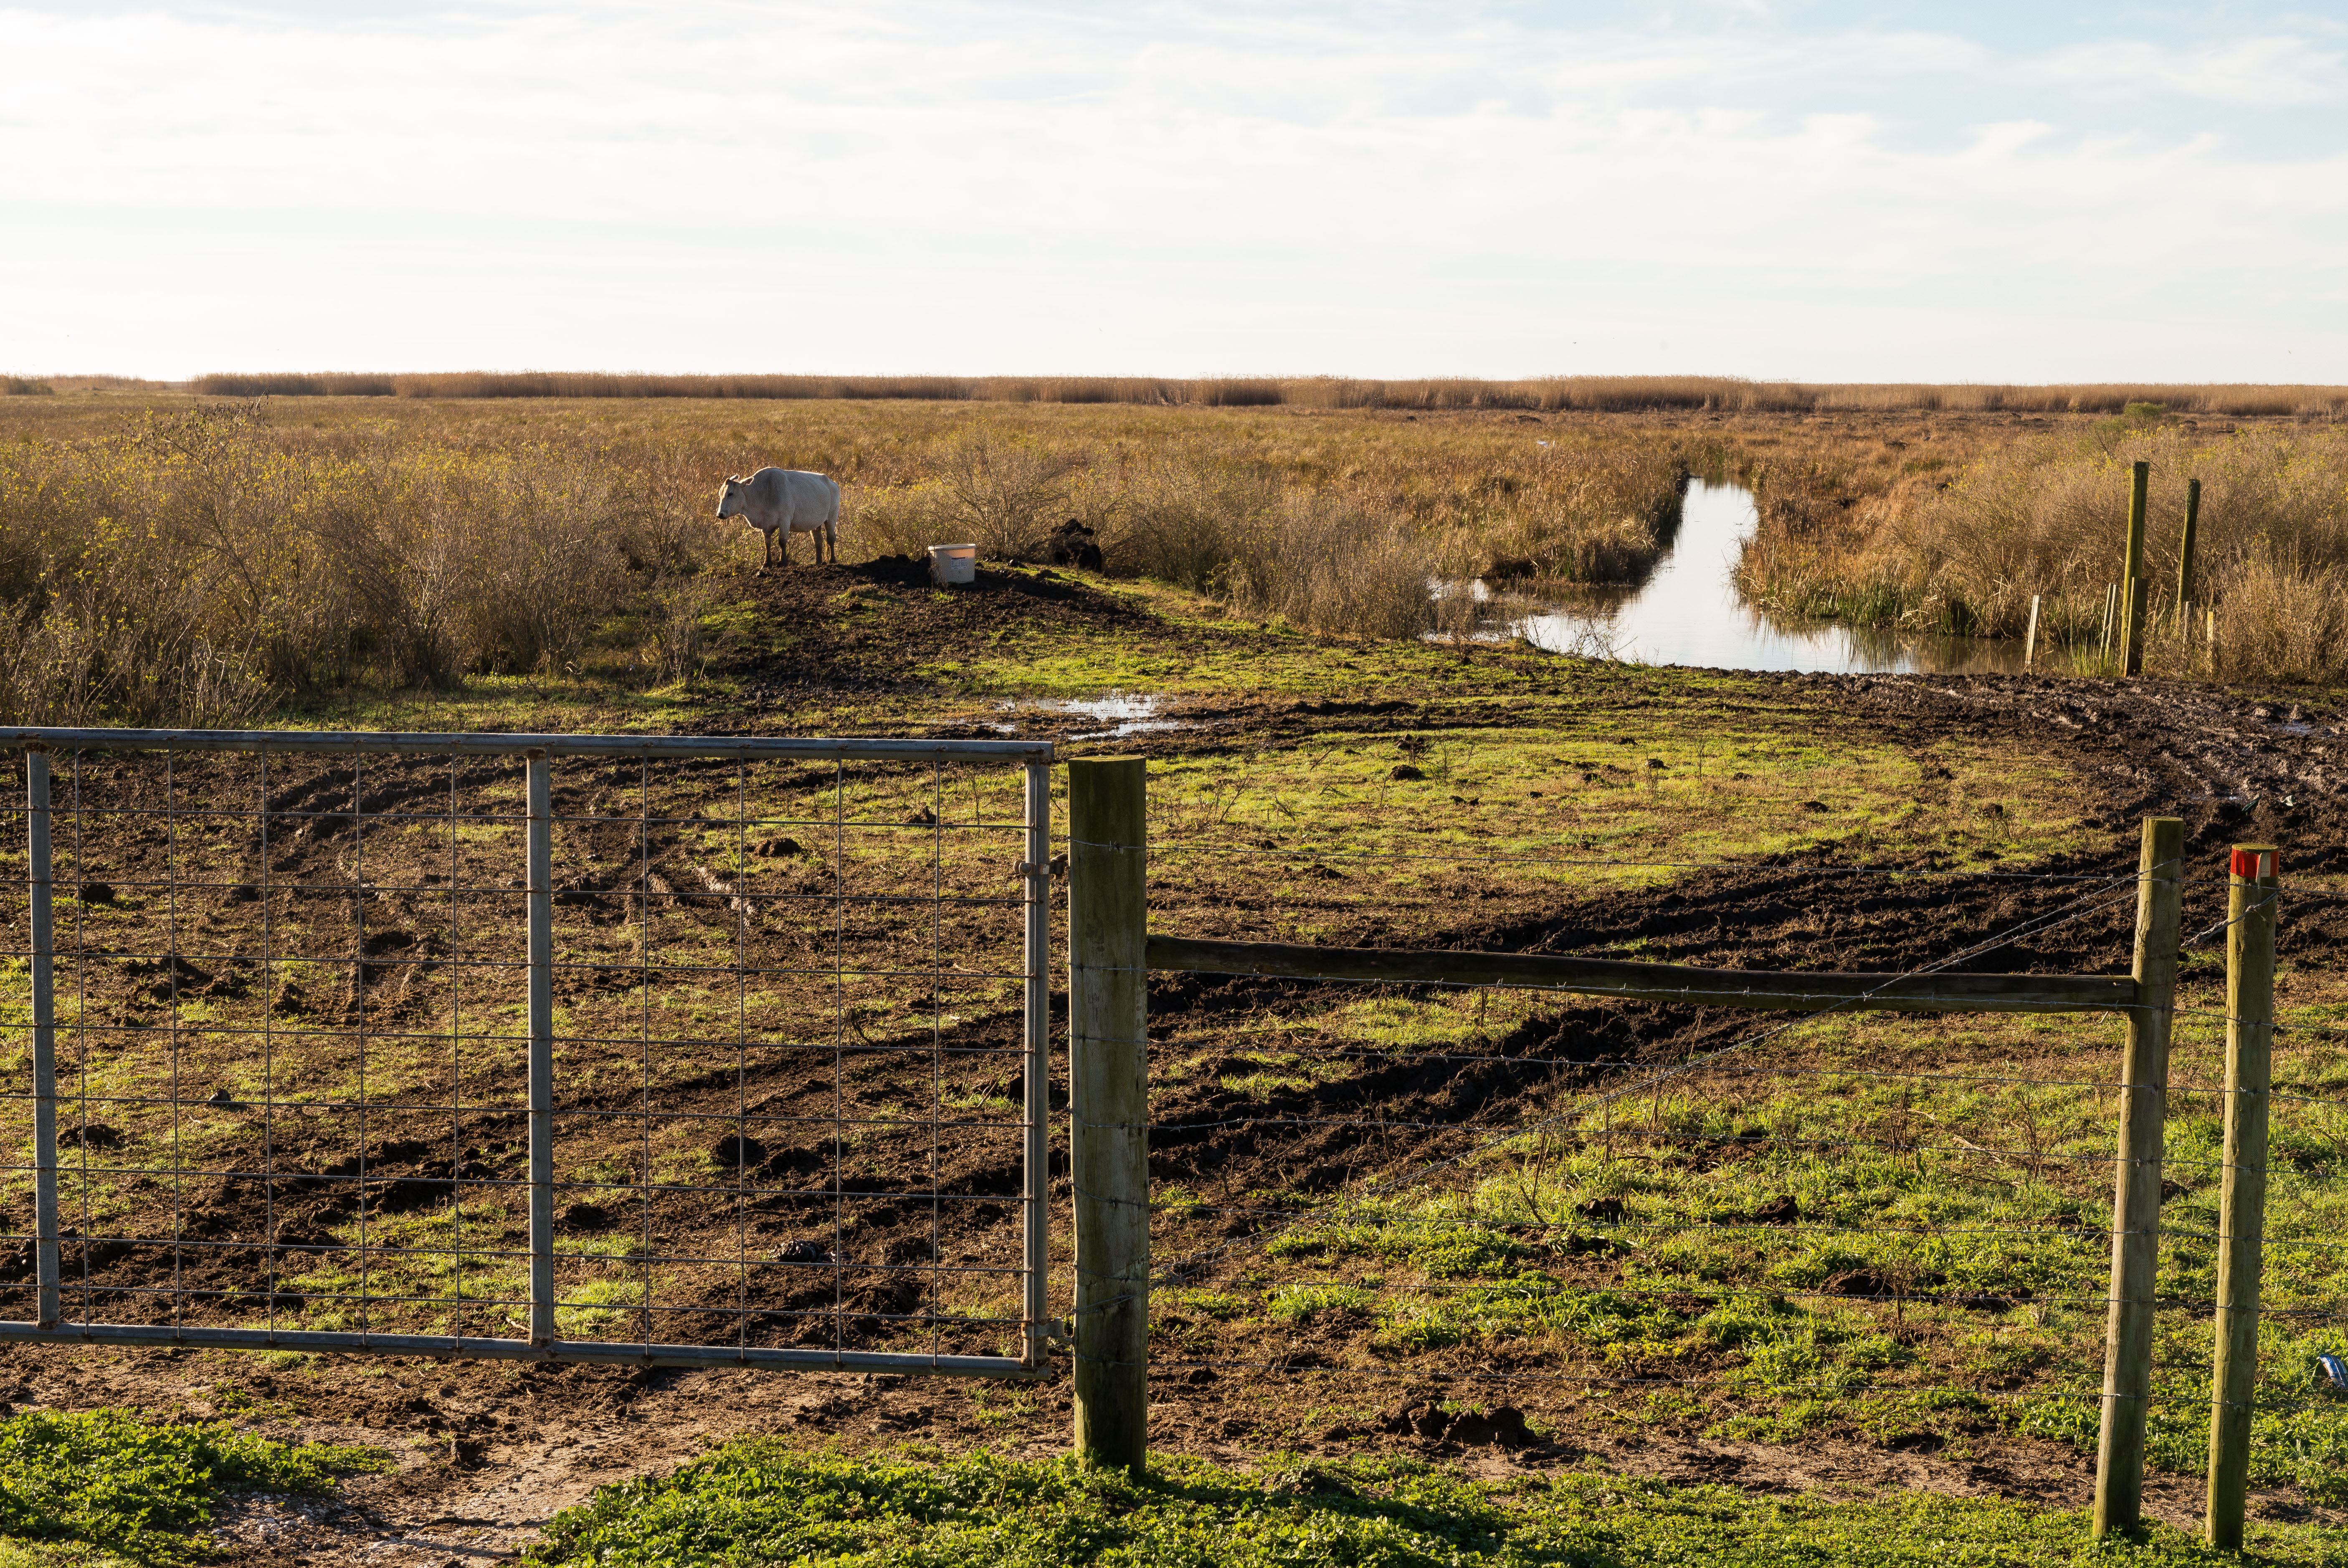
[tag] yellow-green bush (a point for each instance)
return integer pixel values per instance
(187, 567)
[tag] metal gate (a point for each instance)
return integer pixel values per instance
(671, 1050)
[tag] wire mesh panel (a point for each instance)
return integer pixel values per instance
(1418, 1206)
(674, 1050)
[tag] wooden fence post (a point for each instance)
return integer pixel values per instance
(2185, 563)
(2030, 637)
(1108, 1106)
(2241, 1230)
(2133, 597)
(2136, 1203)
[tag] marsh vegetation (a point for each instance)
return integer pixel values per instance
(195, 563)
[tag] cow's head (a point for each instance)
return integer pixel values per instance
(730, 499)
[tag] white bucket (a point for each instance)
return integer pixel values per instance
(953, 563)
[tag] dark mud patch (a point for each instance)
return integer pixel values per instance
(866, 628)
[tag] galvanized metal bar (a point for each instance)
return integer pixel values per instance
(538, 1341)
(749, 748)
(45, 1037)
(613, 1352)
(540, 878)
(1036, 1238)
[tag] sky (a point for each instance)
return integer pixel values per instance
(1810, 190)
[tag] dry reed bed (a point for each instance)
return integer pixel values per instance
(1966, 550)
(195, 561)
(1592, 393)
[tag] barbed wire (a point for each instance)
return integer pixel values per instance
(1160, 847)
(1598, 1227)
(2083, 1393)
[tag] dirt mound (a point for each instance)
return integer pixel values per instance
(872, 626)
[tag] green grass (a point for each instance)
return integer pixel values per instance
(108, 1481)
(757, 1502)
(1941, 1277)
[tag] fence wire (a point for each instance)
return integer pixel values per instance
(1474, 1193)
(539, 1048)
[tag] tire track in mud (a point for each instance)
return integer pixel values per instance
(2235, 767)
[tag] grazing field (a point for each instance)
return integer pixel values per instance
(231, 554)
(1407, 1312)
(199, 559)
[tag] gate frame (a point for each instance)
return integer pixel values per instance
(538, 751)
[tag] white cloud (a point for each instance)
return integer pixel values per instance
(2264, 71)
(945, 186)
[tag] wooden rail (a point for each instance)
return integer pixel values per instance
(1771, 989)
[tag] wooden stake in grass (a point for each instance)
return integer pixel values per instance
(1108, 1106)
(2136, 1203)
(2185, 560)
(2251, 907)
(2030, 637)
(2133, 597)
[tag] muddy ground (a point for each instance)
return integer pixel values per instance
(488, 1451)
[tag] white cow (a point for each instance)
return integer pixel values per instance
(790, 500)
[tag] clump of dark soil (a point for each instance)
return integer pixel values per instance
(864, 627)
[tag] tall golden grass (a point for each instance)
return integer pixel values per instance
(2048, 517)
(1259, 516)
(1315, 556)
(195, 561)
(1539, 394)
(191, 567)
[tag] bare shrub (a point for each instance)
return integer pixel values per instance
(892, 520)
(48, 670)
(1178, 522)
(1334, 568)
(75, 663)
(183, 569)
(679, 603)
(997, 490)
(2281, 615)
(1582, 522)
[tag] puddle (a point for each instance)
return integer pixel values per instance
(1689, 612)
(1118, 712)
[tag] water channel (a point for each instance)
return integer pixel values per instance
(1689, 612)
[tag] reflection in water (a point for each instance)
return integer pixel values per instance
(1689, 612)
(1122, 713)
